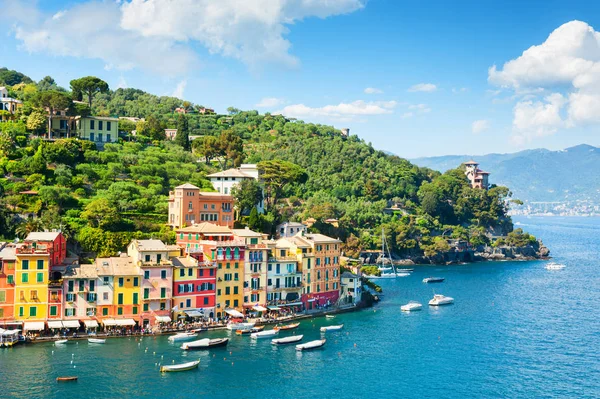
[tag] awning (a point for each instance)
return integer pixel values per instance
(33, 326)
(108, 322)
(124, 322)
(292, 296)
(259, 308)
(90, 323)
(194, 313)
(71, 323)
(55, 324)
(163, 319)
(234, 313)
(311, 300)
(291, 304)
(273, 308)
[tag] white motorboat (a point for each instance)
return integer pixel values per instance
(439, 299)
(182, 336)
(311, 345)
(205, 343)
(555, 266)
(332, 328)
(96, 341)
(180, 367)
(61, 342)
(265, 334)
(411, 306)
(329, 316)
(240, 326)
(287, 340)
(433, 280)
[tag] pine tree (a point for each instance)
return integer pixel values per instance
(183, 136)
(254, 220)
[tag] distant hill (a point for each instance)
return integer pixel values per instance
(536, 175)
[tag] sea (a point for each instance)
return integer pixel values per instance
(516, 330)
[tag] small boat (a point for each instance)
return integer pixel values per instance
(555, 266)
(411, 306)
(199, 330)
(311, 345)
(439, 299)
(182, 336)
(265, 334)
(240, 326)
(96, 341)
(180, 367)
(243, 332)
(205, 343)
(329, 316)
(433, 280)
(383, 275)
(257, 328)
(287, 340)
(61, 342)
(289, 326)
(332, 328)
(61, 379)
(405, 270)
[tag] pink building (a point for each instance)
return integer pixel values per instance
(477, 177)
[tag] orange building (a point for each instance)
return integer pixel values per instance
(188, 205)
(8, 259)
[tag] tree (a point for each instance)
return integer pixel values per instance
(254, 221)
(183, 135)
(208, 147)
(36, 122)
(230, 149)
(30, 225)
(247, 194)
(277, 174)
(48, 83)
(52, 101)
(233, 110)
(88, 86)
(154, 128)
(102, 214)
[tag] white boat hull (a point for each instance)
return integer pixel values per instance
(61, 342)
(332, 328)
(180, 367)
(441, 300)
(411, 307)
(181, 337)
(287, 340)
(240, 326)
(264, 334)
(96, 341)
(311, 345)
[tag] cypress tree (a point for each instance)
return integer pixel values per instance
(183, 135)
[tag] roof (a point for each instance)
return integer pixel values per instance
(117, 266)
(42, 236)
(188, 185)
(150, 245)
(83, 271)
(471, 162)
(184, 261)
(292, 224)
(348, 275)
(233, 172)
(205, 228)
(321, 238)
(8, 253)
(246, 233)
(481, 172)
(296, 240)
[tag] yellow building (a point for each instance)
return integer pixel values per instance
(31, 286)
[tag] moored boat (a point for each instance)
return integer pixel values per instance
(62, 379)
(96, 341)
(439, 299)
(433, 279)
(405, 270)
(205, 343)
(265, 334)
(411, 306)
(287, 340)
(555, 266)
(329, 316)
(311, 345)
(180, 367)
(332, 328)
(182, 336)
(61, 342)
(240, 326)
(289, 326)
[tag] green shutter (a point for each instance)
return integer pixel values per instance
(40, 277)
(2, 296)
(135, 298)
(24, 278)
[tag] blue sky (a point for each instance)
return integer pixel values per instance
(413, 78)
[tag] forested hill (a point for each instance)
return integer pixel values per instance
(103, 198)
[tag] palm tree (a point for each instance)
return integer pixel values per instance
(33, 224)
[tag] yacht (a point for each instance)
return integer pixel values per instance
(439, 299)
(411, 306)
(433, 280)
(555, 266)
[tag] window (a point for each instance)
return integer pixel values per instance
(40, 264)
(212, 272)
(100, 137)
(163, 274)
(69, 312)
(25, 265)
(235, 290)
(91, 136)
(235, 277)
(90, 311)
(106, 281)
(70, 297)
(135, 310)
(135, 298)
(104, 311)
(108, 126)
(10, 279)
(92, 285)
(219, 292)
(40, 277)
(190, 272)
(235, 303)
(136, 281)
(120, 311)
(278, 268)
(120, 299)
(146, 274)
(120, 281)
(236, 265)
(108, 137)
(32, 311)
(21, 311)
(188, 303)
(145, 307)
(105, 296)
(163, 292)
(227, 303)
(147, 258)
(92, 124)
(227, 290)
(163, 306)
(33, 295)
(146, 293)
(24, 278)
(181, 272)
(81, 285)
(99, 125)
(53, 310)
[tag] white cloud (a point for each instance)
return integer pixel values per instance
(373, 90)
(425, 87)
(459, 90)
(407, 115)
(342, 110)
(157, 35)
(566, 64)
(269, 102)
(480, 126)
(59, 15)
(179, 89)
(420, 108)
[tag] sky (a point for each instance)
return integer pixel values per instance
(417, 79)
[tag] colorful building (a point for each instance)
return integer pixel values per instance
(8, 259)
(81, 288)
(326, 273)
(53, 241)
(194, 285)
(188, 205)
(284, 277)
(255, 269)
(226, 180)
(477, 177)
(351, 288)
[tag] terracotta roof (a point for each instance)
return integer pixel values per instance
(234, 172)
(187, 185)
(471, 162)
(150, 245)
(205, 228)
(321, 238)
(117, 266)
(42, 236)
(246, 233)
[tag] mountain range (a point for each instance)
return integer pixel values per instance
(538, 175)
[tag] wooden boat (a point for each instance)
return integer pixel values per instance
(289, 326)
(182, 336)
(257, 329)
(60, 379)
(287, 340)
(61, 342)
(265, 334)
(96, 341)
(329, 316)
(240, 326)
(332, 328)
(198, 330)
(205, 343)
(180, 367)
(311, 345)
(252, 330)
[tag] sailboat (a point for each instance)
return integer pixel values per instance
(390, 271)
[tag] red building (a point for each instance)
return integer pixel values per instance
(54, 241)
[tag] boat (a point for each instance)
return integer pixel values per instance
(411, 306)
(265, 334)
(287, 340)
(182, 336)
(180, 367)
(311, 345)
(386, 272)
(257, 328)
(405, 270)
(61, 379)
(288, 326)
(205, 343)
(61, 342)
(96, 341)
(240, 326)
(199, 330)
(439, 299)
(329, 316)
(332, 328)
(252, 330)
(555, 266)
(433, 279)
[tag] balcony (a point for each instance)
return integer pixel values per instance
(157, 298)
(55, 284)
(283, 259)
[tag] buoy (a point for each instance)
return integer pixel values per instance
(71, 362)
(230, 353)
(232, 363)
(74, 367)
(173, 361)
(224, 358)
(161, 356)
(155, 364)
(154, 353)
(355, 345)
(53, 352)
(214, 355)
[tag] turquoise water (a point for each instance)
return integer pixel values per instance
(516, 330)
